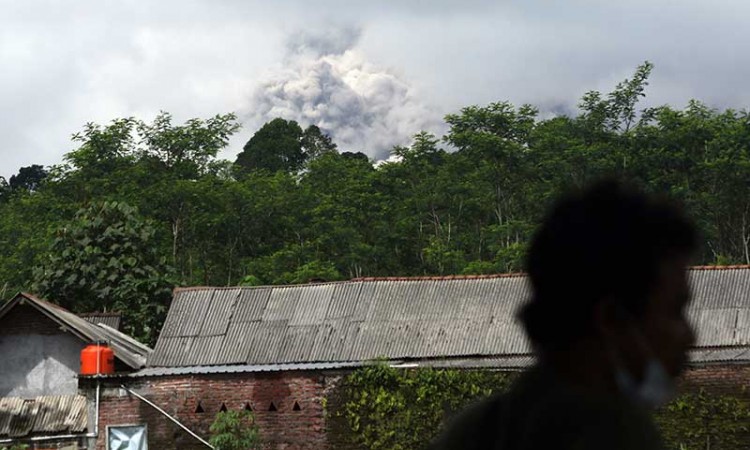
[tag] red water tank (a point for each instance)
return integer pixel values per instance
(97, 359)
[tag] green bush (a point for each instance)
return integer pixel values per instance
(380, 407)
(15, 447)
(395, 409)
(698, 421)
(235, 430)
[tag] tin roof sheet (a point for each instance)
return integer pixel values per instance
(697, 357)
(112, 320)
(397, 318)
(44, 415)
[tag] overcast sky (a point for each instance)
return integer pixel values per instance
(370, 73)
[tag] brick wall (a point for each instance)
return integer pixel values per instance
(720, 379)
(285, 428)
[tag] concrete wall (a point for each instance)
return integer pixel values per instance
(34, 364)
(36, 356)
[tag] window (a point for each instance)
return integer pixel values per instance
(127, 437)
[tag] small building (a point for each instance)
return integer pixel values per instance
(281, 350)
(40, 345)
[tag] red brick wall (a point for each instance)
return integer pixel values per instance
(284, 428)
(720, 379)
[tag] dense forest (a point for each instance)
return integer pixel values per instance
(138, 208)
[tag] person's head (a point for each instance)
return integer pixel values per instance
(608, 265)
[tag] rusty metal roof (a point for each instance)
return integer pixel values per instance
(126, 349)
(44, 415)
(397, 318)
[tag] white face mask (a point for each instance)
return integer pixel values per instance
(656, 389)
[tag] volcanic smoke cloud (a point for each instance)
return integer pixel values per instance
(327, 82)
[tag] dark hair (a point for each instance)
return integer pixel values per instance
(607, 241)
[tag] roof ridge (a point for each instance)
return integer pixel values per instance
(179, 289)
(443, 277)
(722, 267)
(421, 278)
(46, 302)
(100, 314)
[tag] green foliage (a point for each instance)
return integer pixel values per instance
(188, 149)
(315, 143)
(28, 178)
(234, 430)
(251, 280)
(293, 209)
(105, 260)
(697, 421)
(277, 146)
(16, 447)
(388, 408)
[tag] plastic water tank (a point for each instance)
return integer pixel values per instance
(97, 359)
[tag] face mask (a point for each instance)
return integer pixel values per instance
(656, 389)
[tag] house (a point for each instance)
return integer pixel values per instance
(40, 345)
(281, 350)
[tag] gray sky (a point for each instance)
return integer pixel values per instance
(370, 73)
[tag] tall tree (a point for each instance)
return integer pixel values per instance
(187, 150)
(105, 260)
(277, 146)
(28, 178)
(316, 143)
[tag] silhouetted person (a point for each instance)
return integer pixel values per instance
(607, 321)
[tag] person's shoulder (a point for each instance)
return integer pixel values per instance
(473, 428)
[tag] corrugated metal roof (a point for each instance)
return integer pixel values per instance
(397, 318)
(696, 357)
(126, 349)
(219, 312)
(112, 320)
(719, 355)
(44, 415)
(720, 309)
(241, 368)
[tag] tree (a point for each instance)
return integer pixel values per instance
(105, 260)
(282, 145)
(28, 178)
(4, 189)
(277, 146)
(234, 430)
(340, 212)
(617, 111)
(186, 149)
(316, 143)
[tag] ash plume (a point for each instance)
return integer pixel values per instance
(327, 82)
